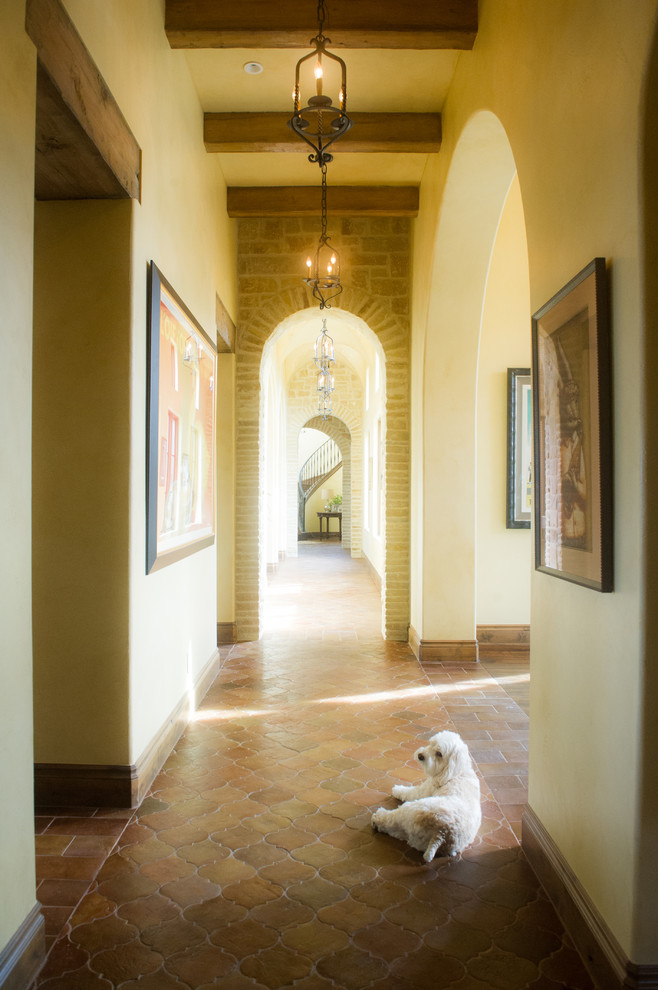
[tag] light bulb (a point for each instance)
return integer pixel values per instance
(308, 263)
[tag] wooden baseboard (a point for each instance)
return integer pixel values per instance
(503, 642)
(227, 633)
(119, 786)
(607, 963)
(24, 955)
(443, 650)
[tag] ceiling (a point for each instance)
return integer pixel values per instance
(379, 81)
(400, 57)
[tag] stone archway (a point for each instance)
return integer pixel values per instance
(261, 312)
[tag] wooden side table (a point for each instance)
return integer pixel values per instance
(328, 516)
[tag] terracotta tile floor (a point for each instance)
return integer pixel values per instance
(252, 862)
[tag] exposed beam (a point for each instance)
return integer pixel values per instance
(302, 201)
(380, 132)
(421, 24)
(67, 163)
(75, 88)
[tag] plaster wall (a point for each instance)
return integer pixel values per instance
(17, 109)
(316, 504)
(181, 224)
(647, 857)
(309, 441)
(81, 436)
(575, 146)
(374, 466)
(504, 556)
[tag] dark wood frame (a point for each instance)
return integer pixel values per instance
(572, 413)
(516, 517)
(156, 557)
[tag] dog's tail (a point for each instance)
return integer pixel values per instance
(433, 847)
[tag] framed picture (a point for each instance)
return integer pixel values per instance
(180, 431)
(572, 430)
(519, 448)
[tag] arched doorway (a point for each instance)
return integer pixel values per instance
(479, 178)
(388, 341)
(351, 480)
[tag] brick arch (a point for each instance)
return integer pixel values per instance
(270, 293)
(345, 429)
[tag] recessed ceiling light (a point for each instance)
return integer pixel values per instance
(253, 68)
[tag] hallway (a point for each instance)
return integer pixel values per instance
(252, 862)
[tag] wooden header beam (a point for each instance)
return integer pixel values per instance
(228, 133)
(73, 101)
(421, 24)
(304, 201)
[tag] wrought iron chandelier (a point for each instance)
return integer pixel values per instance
(324, 359)
(324, 267)
(320, 123)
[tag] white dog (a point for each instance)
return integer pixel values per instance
(443, 812)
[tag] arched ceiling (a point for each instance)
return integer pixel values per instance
(291, 347)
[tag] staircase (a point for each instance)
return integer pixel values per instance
(315, 470)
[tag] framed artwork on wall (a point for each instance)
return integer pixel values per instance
(519, 448)
(571, 390)
(180, 429)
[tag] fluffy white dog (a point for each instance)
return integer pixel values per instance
(443, 812)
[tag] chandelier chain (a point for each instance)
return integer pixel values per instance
(324, 202)
(321, 17)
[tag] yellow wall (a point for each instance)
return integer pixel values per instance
(647, 855)
(166, 622)
(503, 563)
(17, 86)
(570, 113)
(81, 438)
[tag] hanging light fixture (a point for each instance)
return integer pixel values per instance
(320, 123)
(324, 358)
(323, 268)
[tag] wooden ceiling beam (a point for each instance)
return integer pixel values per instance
(407, 133)
(84, 145)
(304, 201)
(423, 24)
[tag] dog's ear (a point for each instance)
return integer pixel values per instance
(458, 758)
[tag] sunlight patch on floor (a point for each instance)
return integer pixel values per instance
(400, 694)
